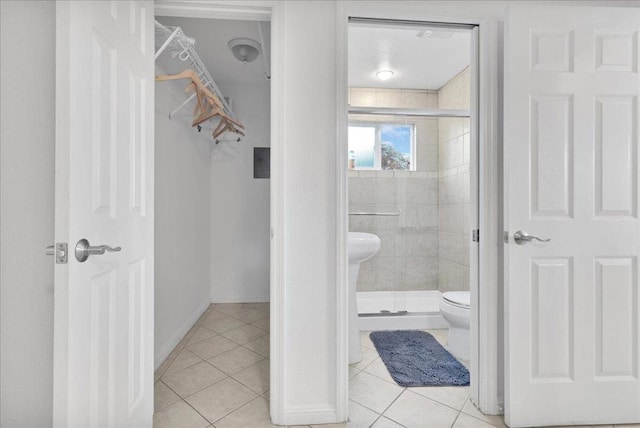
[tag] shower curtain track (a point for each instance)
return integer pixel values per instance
(410, 112)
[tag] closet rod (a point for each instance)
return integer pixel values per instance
(410, 112)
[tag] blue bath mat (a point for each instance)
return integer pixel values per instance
(415, 358)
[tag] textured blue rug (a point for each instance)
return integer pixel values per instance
(415, 358)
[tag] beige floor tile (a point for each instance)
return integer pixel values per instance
(255, 377)
(359, 417)
(165, 364)
(440, 335)
(184, 359)
(228, 308)
(368, 356)
(200, 334)
(211, 347)
(244, 334)
(262, 324)
(372, 392)
(220, 399)
(471, 410)
(178, 415)
(193, 379)
(255, 414)
(221, 323)
(250, 315)
(353, 371)
(379, 369)
(626, 426)
(205, 314)
(235, 360)
(413, 410)
(259, 345)
(213, 314)
(365, 340)
(262, 306)
(163, 396)
(386, 423)
(452, 396)
(466, 421)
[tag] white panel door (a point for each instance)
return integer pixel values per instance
(571, 167)
(103, 326)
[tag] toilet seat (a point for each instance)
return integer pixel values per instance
(460, 299)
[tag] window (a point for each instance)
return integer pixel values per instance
(381, 146)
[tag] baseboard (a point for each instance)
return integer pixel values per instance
(166, 349)
(310, 416)
(240, 299)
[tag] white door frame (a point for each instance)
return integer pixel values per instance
(259, 11)
(486, 367)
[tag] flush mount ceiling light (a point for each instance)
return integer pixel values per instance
(384, 74)
(245, 50)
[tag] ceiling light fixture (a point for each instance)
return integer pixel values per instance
(245, 50)
(384, 74)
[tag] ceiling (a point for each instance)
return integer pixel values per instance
(420, 57)
(212, 36)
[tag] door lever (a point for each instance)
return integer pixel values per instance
(84, 250)
(522, 238)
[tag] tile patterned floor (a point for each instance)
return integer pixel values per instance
(219, 373)
(218, 377)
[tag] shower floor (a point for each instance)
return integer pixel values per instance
(398, 310)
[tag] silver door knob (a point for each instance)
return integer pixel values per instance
(522, 238)
(84, 250)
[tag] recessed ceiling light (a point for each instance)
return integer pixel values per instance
(384, 74)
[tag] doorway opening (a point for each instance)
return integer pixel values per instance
(212, 229)
(413, 216)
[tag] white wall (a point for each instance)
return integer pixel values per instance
(308, 230)
(27, 133)
(182, 228)
(240, 203)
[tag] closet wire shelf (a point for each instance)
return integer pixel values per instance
(173, 40)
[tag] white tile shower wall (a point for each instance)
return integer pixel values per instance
(454, 187)
(408, 257)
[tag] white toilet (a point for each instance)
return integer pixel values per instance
(455, 308)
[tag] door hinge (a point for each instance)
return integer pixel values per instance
(475, 235)
(59, 251)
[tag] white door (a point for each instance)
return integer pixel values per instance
(571, 161)
(103, 326)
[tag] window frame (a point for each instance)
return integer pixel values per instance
(377, 159)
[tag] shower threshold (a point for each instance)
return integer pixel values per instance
(399, 310)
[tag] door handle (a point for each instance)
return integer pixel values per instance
(522, 238)
(84, 250)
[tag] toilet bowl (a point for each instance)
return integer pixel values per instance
(455, 309)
